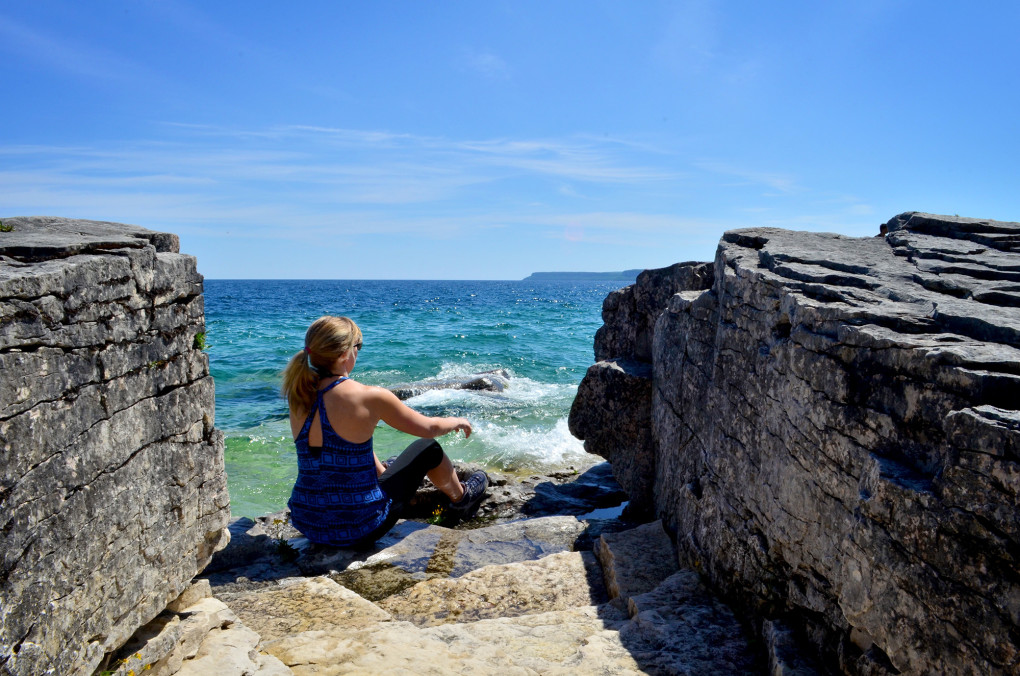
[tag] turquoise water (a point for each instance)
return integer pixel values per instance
(541, 333)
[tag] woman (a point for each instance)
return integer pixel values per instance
(343, 495)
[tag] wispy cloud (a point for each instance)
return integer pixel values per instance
(629, 221)
(309, 183)
(317, 174)
(488, 64)
(690, 38)
(576, 158)
(65, 54)
(780, 182)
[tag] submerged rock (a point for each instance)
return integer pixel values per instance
(488, 381)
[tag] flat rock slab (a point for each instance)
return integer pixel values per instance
(636, 561)
(303, 604)
(42, 237)
(270, 548)
(679, 628)
(205, 637)
(556, 582)
(435, 552)
(548, 613)
(410, 553)
(576, 641)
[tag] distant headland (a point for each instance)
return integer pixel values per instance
(626, 276)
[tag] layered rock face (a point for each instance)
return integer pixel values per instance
(112, 489)
(836, 437)
(619, 427)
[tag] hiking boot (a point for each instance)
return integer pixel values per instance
(474, 493)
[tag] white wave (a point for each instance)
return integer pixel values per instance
(512, 448)
(519, 390)
(462, 369)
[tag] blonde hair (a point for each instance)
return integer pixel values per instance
(327, 339)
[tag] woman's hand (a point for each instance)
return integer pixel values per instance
(461, 425)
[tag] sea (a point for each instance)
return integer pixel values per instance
(540, 332)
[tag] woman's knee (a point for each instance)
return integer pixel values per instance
(426, 453)
(429, 452)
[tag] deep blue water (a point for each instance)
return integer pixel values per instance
(542, 333)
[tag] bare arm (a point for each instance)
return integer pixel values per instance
(400, 416)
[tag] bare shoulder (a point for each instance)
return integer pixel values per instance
(377, 395)
(355, 392)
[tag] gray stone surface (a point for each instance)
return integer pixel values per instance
(269, 547)
(631, 312)
(636, 561)
(554, 582)
(545, 615)
(112, 490)
(203, 637)
(620, 428)
(680, 627)
(836, 434)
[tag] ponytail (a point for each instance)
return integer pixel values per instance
(327, 339)
(299, 383)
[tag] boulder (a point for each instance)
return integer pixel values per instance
(612, 410)
(619, 426)
(835, 427)
(112, 488)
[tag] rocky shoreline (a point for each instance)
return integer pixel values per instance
(550, 578)
(817, 439)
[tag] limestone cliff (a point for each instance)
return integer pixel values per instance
(112, 489)
(835, 434)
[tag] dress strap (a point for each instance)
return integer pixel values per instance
(322, 406)
(318, 406)
(333, 384)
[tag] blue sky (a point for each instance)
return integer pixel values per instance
(488, 140)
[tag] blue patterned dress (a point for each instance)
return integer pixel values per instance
(336, 499)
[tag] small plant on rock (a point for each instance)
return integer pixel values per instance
(200, 343)
(6, 228)
(437, 516)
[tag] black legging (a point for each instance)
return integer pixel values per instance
(401, 481)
